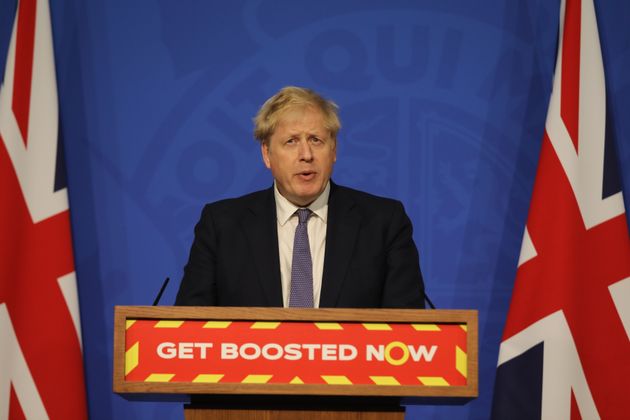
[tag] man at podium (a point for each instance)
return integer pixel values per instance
(305, 241)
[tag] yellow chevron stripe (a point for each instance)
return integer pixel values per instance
(328, 326)
(433, 380)
(256, 379)
(297, 381)
(129, 323)
(159, 377)
(463, 327)
(336, 380)
(208, 378)
(217, 324)
(132, 357)
(426, 327)
(377, 327)
(168, 324)
(265, 325)
(384, 380)
(461, 361)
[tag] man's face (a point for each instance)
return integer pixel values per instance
(300, 155)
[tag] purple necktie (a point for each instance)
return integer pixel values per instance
(301, 295)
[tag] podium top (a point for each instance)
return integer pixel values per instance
(297, 314)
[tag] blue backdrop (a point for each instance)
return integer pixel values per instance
(443, 106)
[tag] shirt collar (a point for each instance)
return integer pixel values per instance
(285, 209)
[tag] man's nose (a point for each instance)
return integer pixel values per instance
(305, 151)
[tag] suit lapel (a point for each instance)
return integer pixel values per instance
(341, 234)
(259, 223)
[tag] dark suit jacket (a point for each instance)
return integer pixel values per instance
(370, 261)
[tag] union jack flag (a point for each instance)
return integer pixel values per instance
(41, 370)
(565, 351)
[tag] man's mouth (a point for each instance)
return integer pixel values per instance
(306, 175)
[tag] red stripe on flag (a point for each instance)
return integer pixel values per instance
(575, 411)
(24, 64)
(15, 409)
(570, 102)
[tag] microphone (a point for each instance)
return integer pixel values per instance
(426, 298)
(157, 298)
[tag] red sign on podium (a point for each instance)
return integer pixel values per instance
(411, 353)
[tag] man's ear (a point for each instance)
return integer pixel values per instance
(264, 150)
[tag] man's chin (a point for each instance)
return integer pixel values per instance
(304, 198)
(303, 201)
(303, 194)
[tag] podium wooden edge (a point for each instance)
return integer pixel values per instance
(459, 316)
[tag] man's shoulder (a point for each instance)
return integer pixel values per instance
(363, 198)
(236, 204)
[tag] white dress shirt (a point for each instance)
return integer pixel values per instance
(287, 222)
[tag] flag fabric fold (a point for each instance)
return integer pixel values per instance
(41, 367)
(565, 351)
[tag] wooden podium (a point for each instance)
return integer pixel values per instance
(276, 363)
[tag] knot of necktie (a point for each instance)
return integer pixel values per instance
(303, 215)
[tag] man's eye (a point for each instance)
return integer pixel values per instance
(316, 140)
(290, 141)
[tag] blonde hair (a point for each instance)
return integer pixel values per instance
(268, 116)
